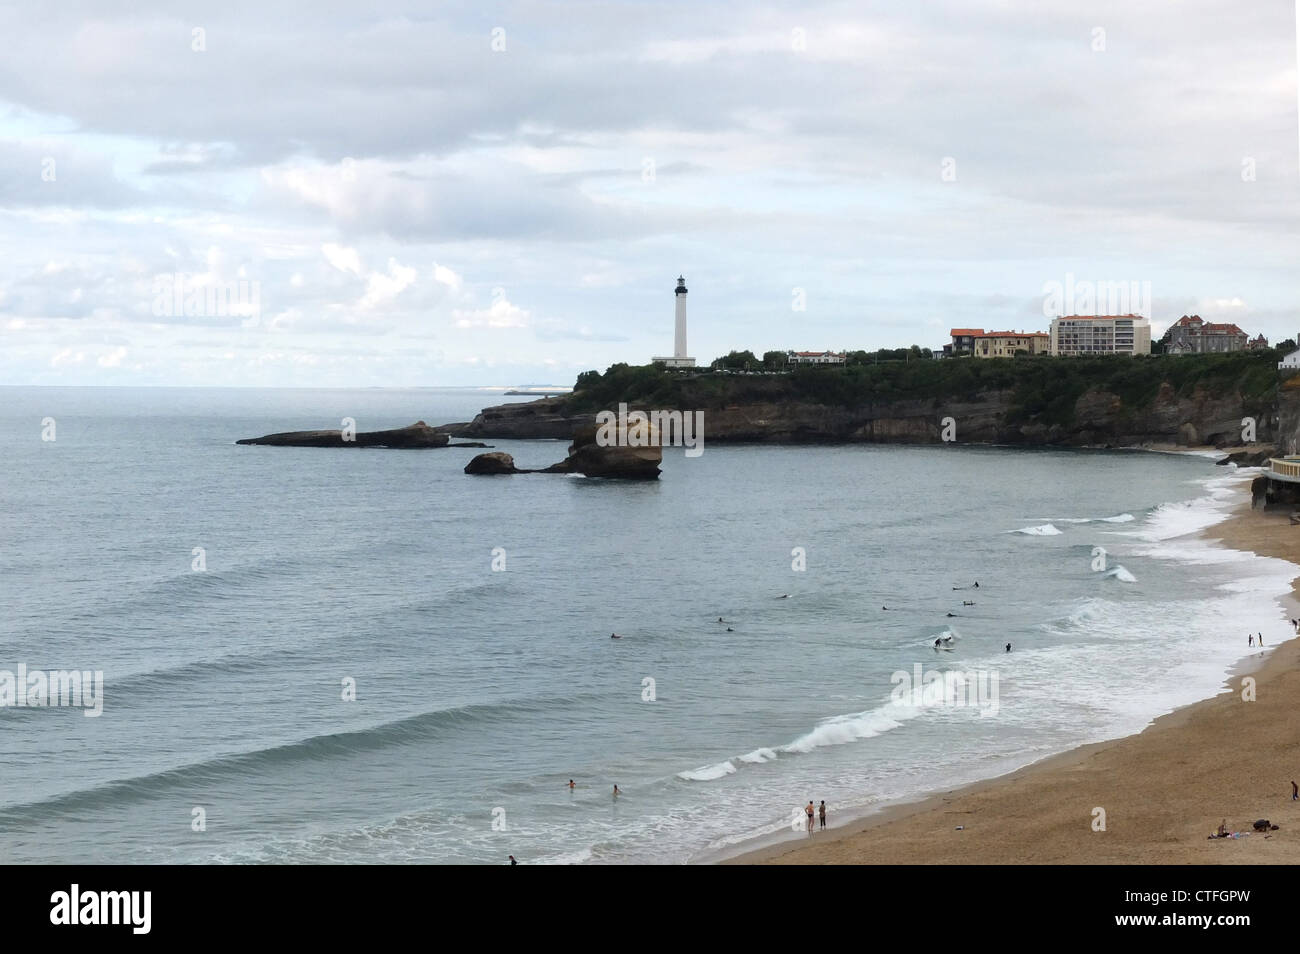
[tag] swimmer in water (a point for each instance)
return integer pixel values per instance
(615, 636)
(617, 793)
(952, 614)
(571, 785)
(1008, 647)
(730, 630)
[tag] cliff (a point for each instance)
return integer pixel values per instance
(1035, 401)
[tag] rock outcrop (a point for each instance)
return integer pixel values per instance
(1099, 419)
(629, 453)
(494, 463)
(634, 454)
(414, 436)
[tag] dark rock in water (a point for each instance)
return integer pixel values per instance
(586, 456)
(1249, 458)
(417, 435)
(619, 459)
(494, 463)
(470, 444)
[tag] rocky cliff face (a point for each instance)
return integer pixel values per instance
(1101, 418)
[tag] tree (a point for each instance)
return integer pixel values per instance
(774, 360)
(587, 379)
(736, 361)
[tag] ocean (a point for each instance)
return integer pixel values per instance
(323, 655)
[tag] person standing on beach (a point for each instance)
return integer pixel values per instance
(821, 813)
(1295, 792)
(1250, 640)
(809, 812)
(1261, 639)
(1008, 647)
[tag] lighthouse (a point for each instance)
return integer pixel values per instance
(679, 359)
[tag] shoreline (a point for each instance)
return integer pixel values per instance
(1163, 789)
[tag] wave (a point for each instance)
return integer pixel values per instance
(709, 772)
(1120, 573)
(314, 749)
(1044, 530)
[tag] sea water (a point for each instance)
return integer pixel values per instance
(380, 659)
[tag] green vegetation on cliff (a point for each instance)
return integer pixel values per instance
(1041, 388)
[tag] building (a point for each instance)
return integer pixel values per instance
(963, 340)
(679, 358)
(1089, 335)
(1257, 343)
(1190, 335)
(1291, 361)
(1005, 344)
(815, 357)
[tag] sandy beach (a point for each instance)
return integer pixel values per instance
(1163, 790)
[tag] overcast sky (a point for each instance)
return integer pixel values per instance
(480, 193)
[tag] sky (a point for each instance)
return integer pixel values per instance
(334, 194)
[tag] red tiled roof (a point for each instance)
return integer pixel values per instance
(1222, 329)
(966, 332)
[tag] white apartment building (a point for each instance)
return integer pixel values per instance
(815, 357)
(1088, 335)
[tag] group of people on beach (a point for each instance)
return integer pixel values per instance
(820, 812)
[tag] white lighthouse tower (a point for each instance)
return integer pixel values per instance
(679, 359)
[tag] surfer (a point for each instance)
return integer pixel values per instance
(937, 642)
(951, 615)
(617, 793)
(967, 602)
(615, 636)
(730, 630)
(1008, 647)
(721, 620)
(784, 596)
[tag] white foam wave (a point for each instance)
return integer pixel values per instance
(1045, 530)
(709, 772)
(1119, 518)
(1121, 574)
(758, 756)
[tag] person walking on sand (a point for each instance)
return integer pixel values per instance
(809, 812)
(1250, 640)
(1295, 792)
(512, 860)
(821, 813)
